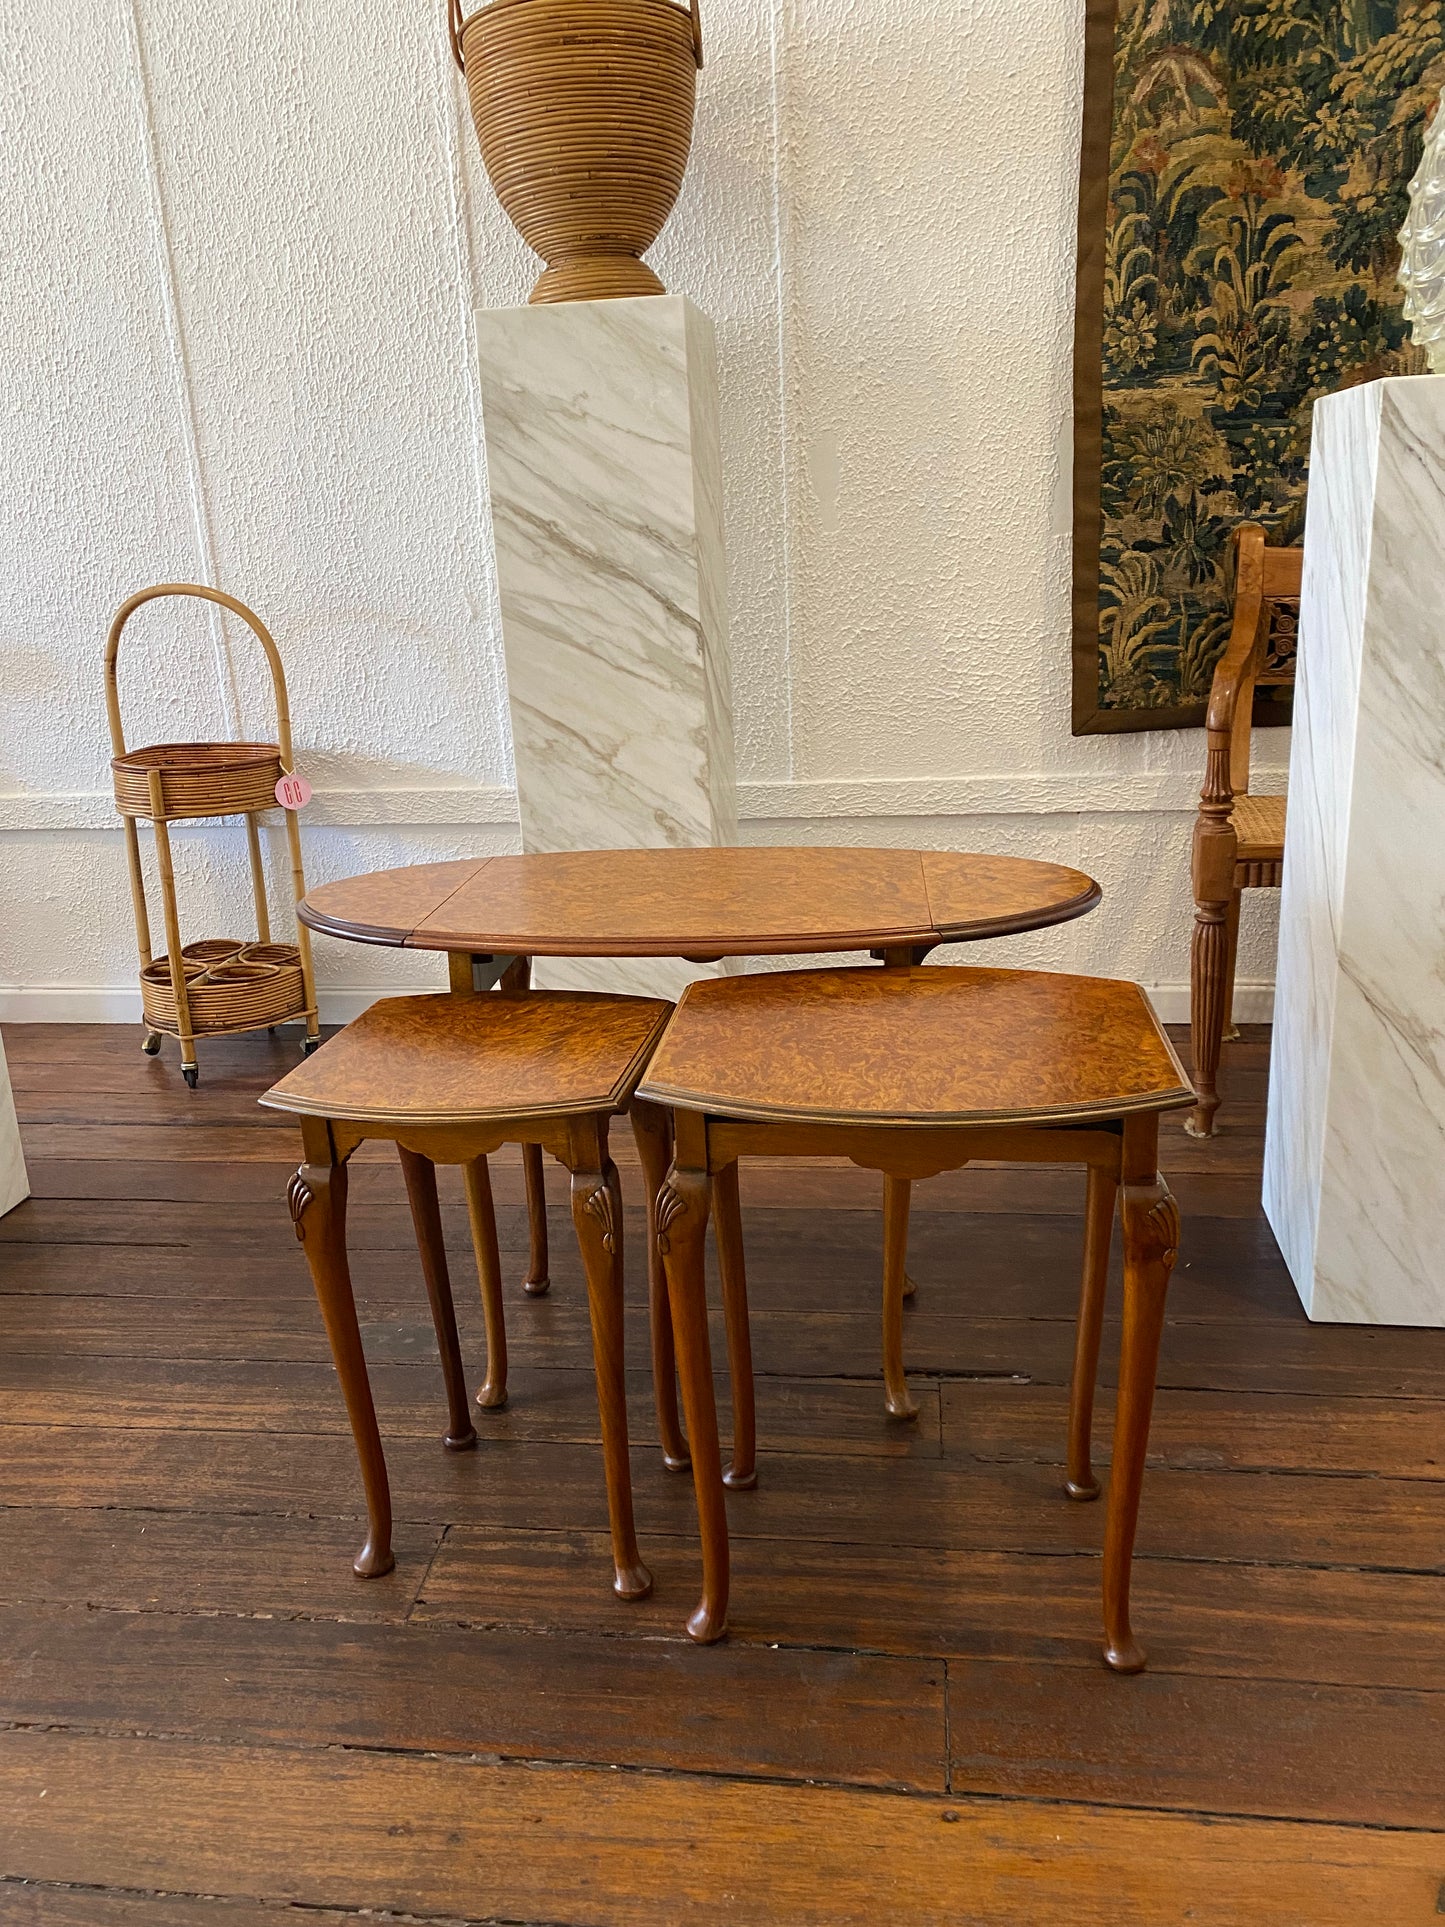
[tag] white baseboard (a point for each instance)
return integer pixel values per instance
(97, 1004)
(1253, 1003)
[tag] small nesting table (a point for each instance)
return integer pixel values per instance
(492, 915)
(448, 1080)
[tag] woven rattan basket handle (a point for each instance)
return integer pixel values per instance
(455, 23)
(253, 622)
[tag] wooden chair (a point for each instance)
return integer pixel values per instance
(1238, 837)
(911, 1072)
(449, 1079)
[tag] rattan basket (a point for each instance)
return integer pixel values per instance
(230, 996)
(218, 985)
(213, 950)
(583, 109)
(279, 954)
(198, 779)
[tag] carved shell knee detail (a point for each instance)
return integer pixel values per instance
(598, 1204)
(670, 1202)
(299, 1196)
(1164, 1216)
(1159, 1221)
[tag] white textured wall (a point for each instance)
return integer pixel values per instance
(245, 241)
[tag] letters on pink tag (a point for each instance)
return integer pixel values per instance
(293, 792)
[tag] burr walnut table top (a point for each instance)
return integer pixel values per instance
(464, 1059)
(700, 903)
(934, 1046)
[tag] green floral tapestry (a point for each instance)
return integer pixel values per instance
(1244, 175)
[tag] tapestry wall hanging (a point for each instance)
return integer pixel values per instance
(1244, 175)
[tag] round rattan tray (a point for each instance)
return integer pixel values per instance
(198, 779)
(230, 986)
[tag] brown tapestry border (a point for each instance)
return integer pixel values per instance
(1089, 719)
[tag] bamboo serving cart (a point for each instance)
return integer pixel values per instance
(220, 985)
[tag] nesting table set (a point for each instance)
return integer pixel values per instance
(904, 1070)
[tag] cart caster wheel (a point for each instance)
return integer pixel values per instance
(151, 1043)
(309, 1044)
(191, 1073)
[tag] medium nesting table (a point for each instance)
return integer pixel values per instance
(913, 1072)
(492, 915)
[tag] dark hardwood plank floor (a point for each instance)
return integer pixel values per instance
(207, 1721)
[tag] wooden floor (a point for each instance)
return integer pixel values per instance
(207, 1721)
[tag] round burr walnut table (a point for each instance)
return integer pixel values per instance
(700, 904)
(493, 914)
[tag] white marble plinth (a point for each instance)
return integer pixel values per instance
(14, 1184)
(601, 426)
(1354, 1181)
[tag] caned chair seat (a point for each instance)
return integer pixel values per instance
(449, 1079)
(477, 1059)
(1259, 827)
(911, 1072)
(928, 1046)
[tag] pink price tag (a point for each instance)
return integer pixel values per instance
(293, 792)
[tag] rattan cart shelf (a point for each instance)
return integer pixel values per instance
(220, 985)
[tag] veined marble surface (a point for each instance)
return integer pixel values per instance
(14, 1184)
(1354, 1181)
(603, 464)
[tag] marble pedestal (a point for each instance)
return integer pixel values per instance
(14, 1184)
(601, 427)
(1354, 1181)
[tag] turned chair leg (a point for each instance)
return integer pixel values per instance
(482, 1216)
(421, 1190)
(727, 1220)
(1151, 1242)
(1230, 1031)
(597, 1214)
(1208, 975)
(317, 1197)
(652, 1128)
(536, 1281)
(1103, 1192)
(896, 1198)
(682, 1212)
